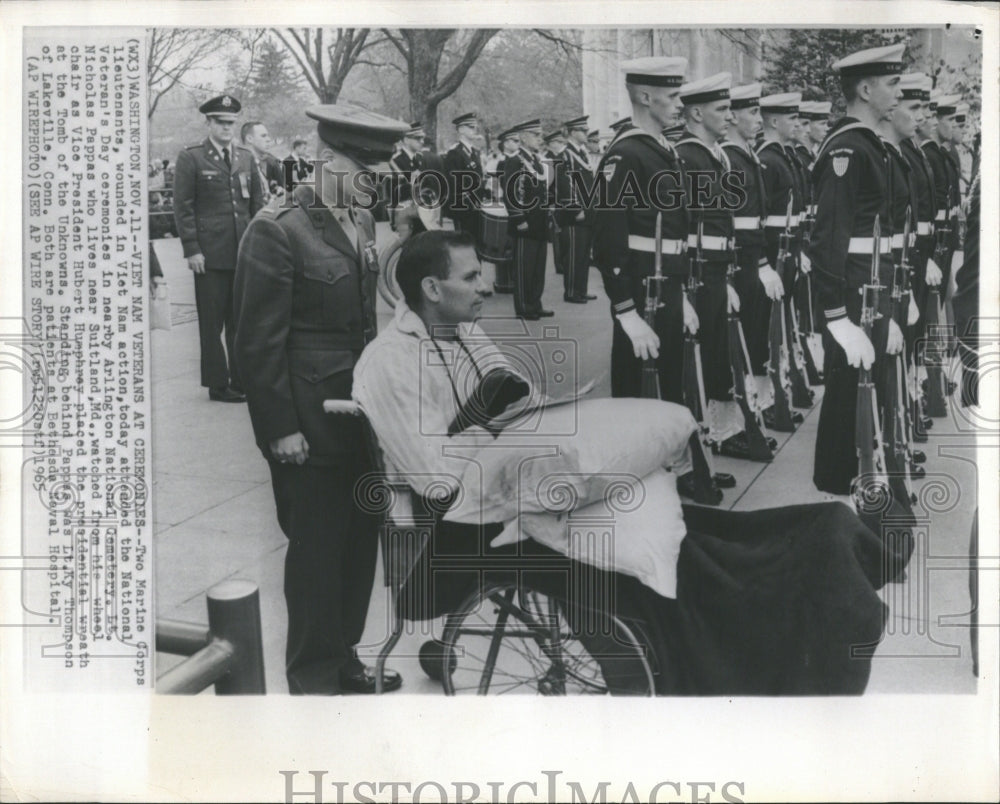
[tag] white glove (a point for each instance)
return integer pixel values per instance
(912, 312)
(805, 263)
(934, 275)
(734, 298)
(771, 281)
(894, 344)
(645, 342)
(853, 341)
(691, 323)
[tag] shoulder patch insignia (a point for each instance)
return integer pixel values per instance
(840, 160)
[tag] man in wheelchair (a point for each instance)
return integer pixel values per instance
(770, 602)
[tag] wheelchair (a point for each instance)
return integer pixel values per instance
(519, 619)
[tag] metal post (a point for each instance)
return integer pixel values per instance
(234, 616)
(194, 674)
(181, 638)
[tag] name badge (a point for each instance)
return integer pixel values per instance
(371, 256)
(245, 184)
(210, 174)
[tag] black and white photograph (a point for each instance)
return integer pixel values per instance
(370, 359)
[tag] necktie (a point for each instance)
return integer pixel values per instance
(225, 155)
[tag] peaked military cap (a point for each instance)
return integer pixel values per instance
(552, 136)
(577, 123)
(594, 135)
(366, 136)
(416, 131)
(620, 124)
(707, 90)
(223, 107)
(508, 134)
(781, 103)
(534, 125)
(465, 119)
(745, 97)
(655, 71)
(886, 60)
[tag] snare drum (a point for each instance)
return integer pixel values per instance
(493, 245)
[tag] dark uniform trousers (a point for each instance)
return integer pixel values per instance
(713, 331)
(755, 309)
(835, 463)
(626, 368)
(213, 298)
(529, 274)
(329, 570)
(577, 259)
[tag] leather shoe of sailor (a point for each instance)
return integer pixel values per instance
(546, 313)
(918, 456)
(590, 297)
(736, 446)
(687, 487)
(360, 680)
(919, 437)
(225, 394)
(574, 299)
(917, 472)
(769, 420)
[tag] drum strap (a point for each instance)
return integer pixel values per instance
(444, 363)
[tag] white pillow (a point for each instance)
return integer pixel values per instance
(570, 456)
(638, 531)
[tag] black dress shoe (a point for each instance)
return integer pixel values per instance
(724, 480)
(919, 437)
(771, 424)
(546, 313)
(590, 297)
(225, 394)
(917, 472)
(772, 442)
(574, 299)
(688, 487)
(927, 423)
(362, 682)
(736, 446)
(918, 456)
(530, 316)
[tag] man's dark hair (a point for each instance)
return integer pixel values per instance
(427, 254)
(247, 129)
(297, 143)
(849, 86)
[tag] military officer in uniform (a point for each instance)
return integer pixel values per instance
(624, 236)
(525, 189)
(852, 181)
(559, 191)
(594, 147)
(463, 164)
(217, 190)
(578, 230)
(756, 281)
(257, 139)
(403, 163)
(305, 308)
(946, 190)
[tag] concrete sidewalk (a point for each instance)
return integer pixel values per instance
(214, 511)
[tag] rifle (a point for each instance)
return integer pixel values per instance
(739, 363)
(706, 492)
(802, 395)
(870, 486)
(811, 343)
(933, 348)
(777, 366)
(895, 407)
(650, 371)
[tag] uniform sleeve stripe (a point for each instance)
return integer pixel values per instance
(838, 312)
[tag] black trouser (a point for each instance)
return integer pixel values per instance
(213, 296)
(577, 259)
(529, 275)
(835, 463)
(626, 368)
(755, 309)
(713, 332)
(329, 571)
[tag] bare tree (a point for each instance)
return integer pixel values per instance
(423, 50)
(172, 53)
(326, 56)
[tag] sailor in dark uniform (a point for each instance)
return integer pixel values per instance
(403, 163)
(594, 147)
(560, 213)
(946, 189)
(782, 180)
(756, 281)
(851, 177)
(579, 227)
(217, 190)
(624, 235)
(463, 164)
(525, 188)
(706, 116)
(305, 308)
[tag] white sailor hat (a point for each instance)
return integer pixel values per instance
(912, 85)
(806, 109)
(947, 104)
(928, 87)
(781, 103)
(961, 110)
(815, 110)
(655, 71)
(886, 60)
(707, 90)
(745, 97)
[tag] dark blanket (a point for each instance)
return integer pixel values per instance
(780, 601)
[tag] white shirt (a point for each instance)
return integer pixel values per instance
(411, 386)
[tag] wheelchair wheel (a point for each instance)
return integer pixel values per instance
(513, 639)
